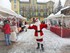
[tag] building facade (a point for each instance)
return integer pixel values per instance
(67, 3)
(15, 6)
(32, 8)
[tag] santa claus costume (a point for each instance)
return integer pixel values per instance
(37, 26)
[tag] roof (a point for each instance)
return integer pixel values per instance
(50, 16)
(65, 8)
(21, 17)
(58, 13)
(6, 12)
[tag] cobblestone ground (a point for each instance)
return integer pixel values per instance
(27, 44)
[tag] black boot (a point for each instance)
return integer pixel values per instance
(38, 45)
(42, 47)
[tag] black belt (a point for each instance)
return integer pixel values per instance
(38, 30)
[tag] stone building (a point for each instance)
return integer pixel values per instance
(32, 8)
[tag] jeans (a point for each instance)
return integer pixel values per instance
(7, 39)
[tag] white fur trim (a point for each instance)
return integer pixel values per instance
(27, 26)
(39, 37)
(31, 24)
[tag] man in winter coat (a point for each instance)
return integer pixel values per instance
(37, 26)
(7, 31)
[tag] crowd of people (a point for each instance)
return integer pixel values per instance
(12, 28)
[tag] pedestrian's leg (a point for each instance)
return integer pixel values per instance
(38, 45)
(9, 41)
(42, 47)
(6, 39)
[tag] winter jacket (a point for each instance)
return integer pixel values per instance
(41, 26)
(6, 29)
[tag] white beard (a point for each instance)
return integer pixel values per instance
(37, 23)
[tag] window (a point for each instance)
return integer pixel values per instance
(38, 8)
(14, 5)
(10, 0)
(21, 11)
(35, 14)
(14, 1)
(39, 14)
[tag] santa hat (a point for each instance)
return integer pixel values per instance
(36, 19)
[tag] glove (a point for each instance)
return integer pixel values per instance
(26, 26)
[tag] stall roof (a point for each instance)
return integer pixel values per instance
(65, 8)
(7, 12)
(58, 13)
(50, 16)
(21, 17)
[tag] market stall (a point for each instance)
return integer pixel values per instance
(9, 15)
(49, 20)
(57, 25)
(63, 28)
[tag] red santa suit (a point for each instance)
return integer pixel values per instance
(38, 30)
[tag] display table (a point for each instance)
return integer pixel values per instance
(57, 30)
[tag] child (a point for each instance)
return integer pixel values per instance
(7, 31)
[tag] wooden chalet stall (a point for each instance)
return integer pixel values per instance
(66, 22)
(56, 27)
(63, 28)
